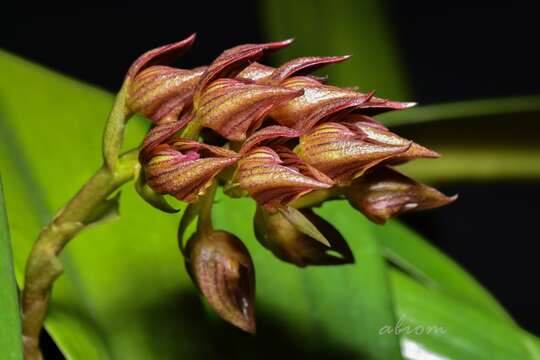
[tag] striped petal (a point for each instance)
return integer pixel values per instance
(161, 55)
(160, 134)
(286, 242)
(256, 72)
(272, 133)
(343, 153)
(302, 66)
(161, 93)
(384, 193)
(318, 102)
(234, 60)
(185, 168)
(272, 184)
(220, 264)
(233, 108)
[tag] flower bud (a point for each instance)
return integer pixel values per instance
(160, 56)
(161, 93)
(377, 133)
(272, 133)
(232, 61)
(302, 65)
(160, 134)
(384, 193)
(325, 102)
(344, 153)
(185, 168)
(233, 108)
(256, 72)
(285, 241)
(274, 180)
(221, 267)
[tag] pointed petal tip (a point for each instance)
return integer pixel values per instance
(409, 104)
(276, 45)
(247, 324)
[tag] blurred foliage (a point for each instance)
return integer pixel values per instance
(10, 321)
(341, 27)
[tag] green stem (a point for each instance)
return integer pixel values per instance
(43, 266)
(113, 135)
(204, 224)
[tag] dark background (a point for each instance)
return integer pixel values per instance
(451, 53)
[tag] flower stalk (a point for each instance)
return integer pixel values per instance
(279, 135)
(43, 266)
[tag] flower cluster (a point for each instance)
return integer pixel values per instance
(279, 135)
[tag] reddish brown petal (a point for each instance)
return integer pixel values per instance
(384, 193)
(286, 242)
(343, 153)
(220, 265)
(161, 92)
(302, 66)
(256, 72)
(270, 133)
(377, 106)
(232, 61)
(184, 168)
(270, 183)
(318, 102)
(161, 55)
(384, 136)
(159, 134)
(233, 108)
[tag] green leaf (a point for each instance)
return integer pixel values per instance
(457, 331)
(10, 320)
(435, 270)
(340, 27)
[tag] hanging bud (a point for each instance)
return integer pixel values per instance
(185, 168)
(272, 182)
(384, 193)
(287, 243)
(161, 93)
(232, 61)
(344, 153)
(233, 108)
(220, 265)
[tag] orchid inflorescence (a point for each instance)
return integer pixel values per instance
(279, 135)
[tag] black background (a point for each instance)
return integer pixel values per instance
(452, 53)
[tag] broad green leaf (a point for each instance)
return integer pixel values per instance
(340, 27)
(456, 331)
(10, 321)
(434, 269)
